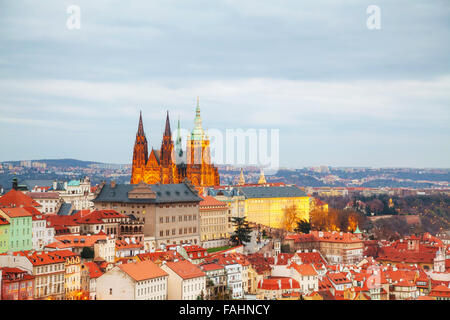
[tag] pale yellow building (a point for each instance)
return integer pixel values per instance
(213, 222)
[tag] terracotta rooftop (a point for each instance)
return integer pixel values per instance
(94, 270)
(304, 269)
(16, 212)
(143, 270)
(278, 283)
(17, 198)
(210, 201)
(185, 269)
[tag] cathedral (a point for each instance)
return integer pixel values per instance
(171, 164)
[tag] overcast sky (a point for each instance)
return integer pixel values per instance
(339, 93)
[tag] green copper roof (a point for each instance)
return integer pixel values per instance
(197, 133)
(357, 231)
(73, 183)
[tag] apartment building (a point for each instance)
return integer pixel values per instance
(133, 281)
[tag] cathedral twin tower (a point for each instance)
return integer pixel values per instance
(170, 164)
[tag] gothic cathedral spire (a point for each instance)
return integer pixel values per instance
(167, 143)
(140, 152)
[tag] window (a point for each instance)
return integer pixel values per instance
(110, 291)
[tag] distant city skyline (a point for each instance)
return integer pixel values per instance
(340, 94)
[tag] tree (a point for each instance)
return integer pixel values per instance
(319, 219)
(87, 253)
(303, 226)
(289, 217)
(242, 231)
(285, 248)
(201, 296)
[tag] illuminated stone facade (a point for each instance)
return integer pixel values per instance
(169, 165)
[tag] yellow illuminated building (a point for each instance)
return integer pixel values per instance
(266, 205)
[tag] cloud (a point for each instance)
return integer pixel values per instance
(309, 68)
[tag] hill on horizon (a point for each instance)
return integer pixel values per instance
(61, 162)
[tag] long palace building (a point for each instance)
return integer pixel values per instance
(171, 164)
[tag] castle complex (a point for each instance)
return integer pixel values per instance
(171, 164)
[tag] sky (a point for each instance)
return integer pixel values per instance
(339, 93)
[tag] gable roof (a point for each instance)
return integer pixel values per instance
(143, 270)
(209, 201)
(185, 269)
(93, 269)
(16, 198)
(304, 269)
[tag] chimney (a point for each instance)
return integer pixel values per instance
(290, 282)
(113, 184)
(279, 284)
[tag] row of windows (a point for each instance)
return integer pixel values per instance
(15, 286)
(24, 231)
(180, 218)
(151, 289)
(195, 286)
(49, 279)
(50, 268)
(24, 243)
(213, 220)
(25, 222)
(180, 231)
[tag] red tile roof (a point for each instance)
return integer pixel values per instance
(122, 244)
(311, 257)
(185, 269)
(74, 241)
(96, 216)
(278, 283)
(143, 270)
(210, 267)
(94, 270)
(304, 269)
(440, 291)
(16, 212)
(170, 255)
(8, 274)
(17, 198)
(338, 278)
(56, 220)
(209, 201)
(38, 258)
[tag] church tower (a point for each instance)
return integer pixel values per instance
(241, 178)
(262, 178)
(140, 154)
(170, 164)
(168, 169)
